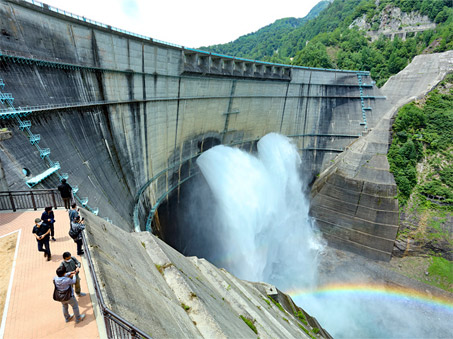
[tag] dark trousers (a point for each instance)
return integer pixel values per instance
(52, 231)
(44, 242)
(67, 203)
(79, 246)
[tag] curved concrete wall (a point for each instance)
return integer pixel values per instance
(354, 200)
(127, 111)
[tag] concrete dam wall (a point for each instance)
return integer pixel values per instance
(124, 116)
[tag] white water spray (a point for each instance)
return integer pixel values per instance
(262, 219)
(260, 231)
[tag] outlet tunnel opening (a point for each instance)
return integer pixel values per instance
(180, 218)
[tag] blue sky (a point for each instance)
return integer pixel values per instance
(189, 23)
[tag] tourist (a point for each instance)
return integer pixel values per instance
(73, 213)
(48, 217)
(63, 281)
(72, 264)
(77, 227)
(41, 230)
(66, 193)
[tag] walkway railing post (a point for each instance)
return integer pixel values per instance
(12, 201)
(33, 200)
(53, 199)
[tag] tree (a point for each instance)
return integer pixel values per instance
(313, 55)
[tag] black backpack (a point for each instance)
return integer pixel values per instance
(74, 234)
(61, 295)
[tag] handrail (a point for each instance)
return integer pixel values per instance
(33, 199)
(110, 316)
(38, 190)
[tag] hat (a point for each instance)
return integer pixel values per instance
(38, 221)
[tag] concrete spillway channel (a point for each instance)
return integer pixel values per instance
(124, 117)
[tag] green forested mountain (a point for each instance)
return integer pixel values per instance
(328, 40)
(262, 44)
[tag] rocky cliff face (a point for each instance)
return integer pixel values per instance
(424, 232)
(393, 22)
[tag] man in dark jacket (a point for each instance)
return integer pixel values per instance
(41, 231)
(66, 193)
(49, 219)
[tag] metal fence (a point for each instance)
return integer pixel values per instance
(16, 200)
(115, 325)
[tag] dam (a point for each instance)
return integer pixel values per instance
(124, 117)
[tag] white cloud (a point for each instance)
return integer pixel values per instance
(188, 23)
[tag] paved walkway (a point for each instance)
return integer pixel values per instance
(31, 311)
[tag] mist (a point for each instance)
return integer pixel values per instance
(248, 213)
(260, 206)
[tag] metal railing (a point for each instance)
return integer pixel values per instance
(115, 325)
(15, 200)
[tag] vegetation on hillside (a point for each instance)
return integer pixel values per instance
(262, 44)
(422, 136)
(350, 48)
(327, 41)
(421, 160)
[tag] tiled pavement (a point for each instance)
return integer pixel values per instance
(32, 313)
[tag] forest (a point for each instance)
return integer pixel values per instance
(423, 134)
(325, 39)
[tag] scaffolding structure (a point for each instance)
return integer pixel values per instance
(11, 113)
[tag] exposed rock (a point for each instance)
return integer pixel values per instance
(424, 232)
(392, 21)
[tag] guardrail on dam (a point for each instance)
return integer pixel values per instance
(120, 113)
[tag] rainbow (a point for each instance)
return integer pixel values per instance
(376, 291)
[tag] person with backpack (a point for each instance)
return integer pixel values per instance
(49, 219)
(72, 264)
(66, 193)
(75, 233)
(73, 213)
(64, 293)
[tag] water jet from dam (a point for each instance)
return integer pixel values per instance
(249, 214)
(261, 205)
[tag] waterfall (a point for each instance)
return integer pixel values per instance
(260, 230)
(261, 223)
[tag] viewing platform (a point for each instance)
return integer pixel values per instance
(28, 310)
